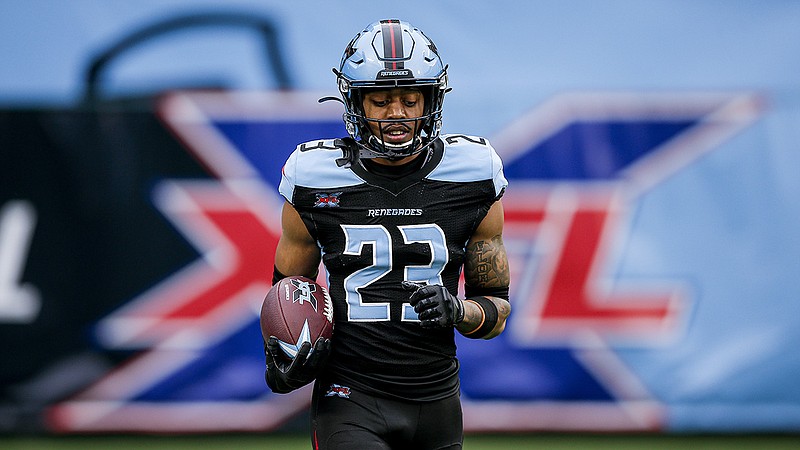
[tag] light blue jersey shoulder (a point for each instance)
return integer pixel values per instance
(313, 165)
(465, 159)
(469, 158)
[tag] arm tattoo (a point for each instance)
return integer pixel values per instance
(486, 263)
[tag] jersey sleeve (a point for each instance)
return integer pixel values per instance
(470, 159)
(498, 177)
(313, 165)
(289, 177)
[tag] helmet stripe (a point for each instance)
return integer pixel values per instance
(392, 44)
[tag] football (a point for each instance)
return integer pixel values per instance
(296, 310)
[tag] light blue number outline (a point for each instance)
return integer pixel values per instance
(358, 236)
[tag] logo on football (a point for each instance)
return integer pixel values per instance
(296, 310)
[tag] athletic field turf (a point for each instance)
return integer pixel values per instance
(472, 442)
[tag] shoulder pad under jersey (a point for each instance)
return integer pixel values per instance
(313, 165)
(470, 158)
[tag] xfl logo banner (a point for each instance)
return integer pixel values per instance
(578, 166)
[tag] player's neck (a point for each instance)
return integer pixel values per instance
(396, 170)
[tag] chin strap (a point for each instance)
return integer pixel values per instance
(353, 150)
(349, 149)
(390, 154)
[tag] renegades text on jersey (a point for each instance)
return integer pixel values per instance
(374, 232)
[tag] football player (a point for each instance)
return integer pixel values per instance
(395, 212)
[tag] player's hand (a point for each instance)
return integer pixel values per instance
(435, 305)
(285, 376)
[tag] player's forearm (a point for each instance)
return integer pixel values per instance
(293, 258)
(487, 277)
(486, 263)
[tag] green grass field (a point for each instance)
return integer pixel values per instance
(471, 442)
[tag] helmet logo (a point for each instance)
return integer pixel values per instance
(351, 49)
(402, 73)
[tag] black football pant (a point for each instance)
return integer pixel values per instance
(346, 419)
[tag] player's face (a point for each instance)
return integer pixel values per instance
(398, 103)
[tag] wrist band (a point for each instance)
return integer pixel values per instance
(490, 317)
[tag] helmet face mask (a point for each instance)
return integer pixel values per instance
(391, 54)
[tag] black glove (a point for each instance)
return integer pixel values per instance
(285, 375)
(435, 305)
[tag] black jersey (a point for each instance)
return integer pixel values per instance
(375, 232)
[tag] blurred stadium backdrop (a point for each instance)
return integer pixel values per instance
(652, 218)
